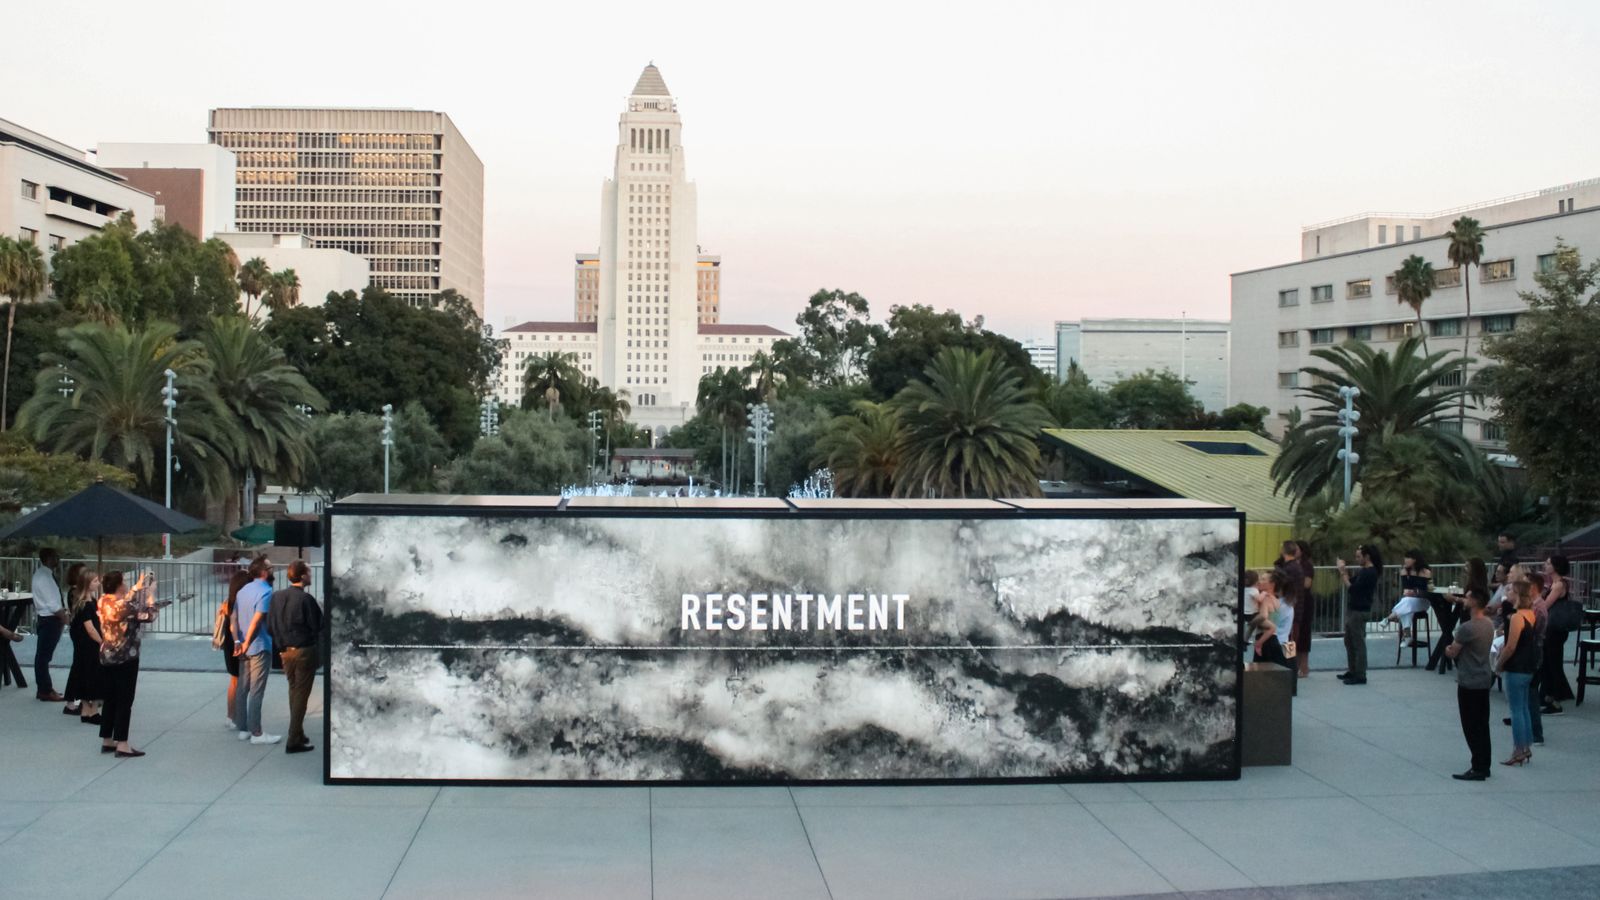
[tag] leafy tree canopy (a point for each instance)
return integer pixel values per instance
(915, 335)
(161, 274)
(532, 454)
(30, 477)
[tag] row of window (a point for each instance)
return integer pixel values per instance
(289, 159)
(406, 282)
(326, 140)
(31, 236)
(340, 213)
(650, 140)
(1496, 324)
(353, 179)
(334, 195)
(1361, 288)
(648, 167)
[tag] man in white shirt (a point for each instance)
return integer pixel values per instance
(50, 616)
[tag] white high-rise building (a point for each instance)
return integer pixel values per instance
(1109, 350)
(648, 333)
(1043, 355)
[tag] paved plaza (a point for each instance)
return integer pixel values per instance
(1367, 810)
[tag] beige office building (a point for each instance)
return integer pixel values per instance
(586, 287)
(400, 188)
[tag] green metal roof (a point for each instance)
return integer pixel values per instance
(1241, 480)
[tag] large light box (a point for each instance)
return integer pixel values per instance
(526, 640)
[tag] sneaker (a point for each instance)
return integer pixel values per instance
(1551, 710)
(244, 735)
(266, 739)
(230, 725)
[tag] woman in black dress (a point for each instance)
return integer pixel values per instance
(83, 683)
(239, 579)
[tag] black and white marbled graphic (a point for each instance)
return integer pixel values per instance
(551, 649)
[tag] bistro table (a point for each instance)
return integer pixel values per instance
(12, 609)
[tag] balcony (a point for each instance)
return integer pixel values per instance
(62, 210)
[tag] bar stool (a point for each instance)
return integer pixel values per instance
(1418, 620)
(1588, 653)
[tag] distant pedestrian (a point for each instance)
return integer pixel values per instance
(230, 662)
(1474, 677)
(50, 618)
(1519, 659)
(121, 611)
(1295, 589)
(1554, 688)
(1360, 588)
(253, 646)
(296, 628)
(85, 681)
(1506, 550)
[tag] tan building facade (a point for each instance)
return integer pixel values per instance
(586, 287)
(400, 188)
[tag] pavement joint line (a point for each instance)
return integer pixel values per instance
(1134, 850)
(650, 801)
(810, 846)
(388, 885)
(1197, 839)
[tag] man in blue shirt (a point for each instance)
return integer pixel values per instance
(253, 645)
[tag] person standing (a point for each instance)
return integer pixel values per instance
(84, 681)
(121, 610)
(1554, 688)
(1296, 594)
(1519, 659)
(295, 622)
(1470, 651)
(230, 662)
(1506, 550)
(50, 617)
(253, 646)
(1359, 591)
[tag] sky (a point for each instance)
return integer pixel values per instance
(1027, 162)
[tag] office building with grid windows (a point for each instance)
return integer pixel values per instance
(400, 188)
(1342, 289)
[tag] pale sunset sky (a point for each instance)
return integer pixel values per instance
(1028, 162)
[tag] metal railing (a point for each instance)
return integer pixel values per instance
(196, 589)
(1329, 614)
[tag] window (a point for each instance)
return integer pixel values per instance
(1360, 332)
(1322, 335)
(1319, 245)
(1400, 330)
(31, 235)
(1499, 324)
(1288, 379)
(1446, 278)
(1389, 286)
(1223, 448)
(1445, 328)
(57, 242)
(1358, 290)
(1383, 234)
(1290, 297)
(30, 190)
(1288, 339)
(1321, 293)
(1492, 431)
(1547, 263)
(1416, 232)
(1499, 270)
(1453, 426)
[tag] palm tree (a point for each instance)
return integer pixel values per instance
(862, 449)
(1413, 285)
(254, 277)
(267, 398)
(22, 278)
(969, 429)
(283, 291)
(723, 395)
(114, 413)
(549, 378)
(763, 374)
(1407, 393)
(1465, 250)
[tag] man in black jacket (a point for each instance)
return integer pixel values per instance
(295, 623)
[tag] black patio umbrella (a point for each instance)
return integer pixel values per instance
(99, 511)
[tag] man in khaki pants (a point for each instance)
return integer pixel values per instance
(295, 620)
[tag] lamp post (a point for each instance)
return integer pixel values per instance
(169, 400)
(489, 417)
(594, 444)
(388, 441)
(760, 426)
(1348, 417)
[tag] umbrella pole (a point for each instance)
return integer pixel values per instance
(100, 554)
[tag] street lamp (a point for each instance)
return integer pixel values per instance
(489, 417)
(388, 441)
(760, 427)
(594, 444)
(1348, 417)
(169, 400)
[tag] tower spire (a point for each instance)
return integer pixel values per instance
(650, 83)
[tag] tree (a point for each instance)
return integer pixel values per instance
(1546, 382)
(114, 412)
(762, 373)
(1074, 402)
(1407, 393)
(254, 278)
(22, 278)
(419, 449)
(798, 424)
(915, 335)
(835, 339)
(1465, 249)
(722, 397)
(1413, 285)
(268, 399)
(1152, 399)
(163, 274)
(549, 378)
(38, 331)
(970, 430)
(863, 450)
(283, 291)
(30, 477)
(532, 454)
(346, 456)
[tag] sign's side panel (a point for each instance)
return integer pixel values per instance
(571, 649)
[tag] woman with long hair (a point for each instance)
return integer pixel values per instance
(1552, 681)
(83, 682)
(1414, 582)
(122, 610)
(237, 580)
(1273, 621)
(1519, 659)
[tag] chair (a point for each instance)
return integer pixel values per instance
(1419, 621)
(1591, 621)
(1588, 653)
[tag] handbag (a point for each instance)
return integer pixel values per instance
(219, 631)
(1565, 614)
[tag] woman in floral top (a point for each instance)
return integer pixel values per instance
(121, 609)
